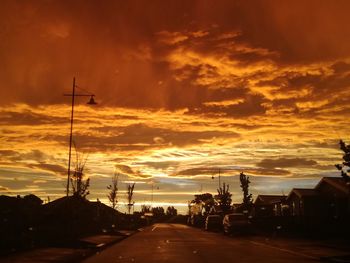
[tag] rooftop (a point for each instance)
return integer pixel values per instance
(336, 182)
(269, 199)
(303, 192)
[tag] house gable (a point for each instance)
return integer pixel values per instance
(268, 199)
(333, 187)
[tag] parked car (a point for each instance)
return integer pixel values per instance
(213, 222)
(236, 223)
(196, 220)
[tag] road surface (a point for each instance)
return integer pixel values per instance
(179, 243)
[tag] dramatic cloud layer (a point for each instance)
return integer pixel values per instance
(184, 89)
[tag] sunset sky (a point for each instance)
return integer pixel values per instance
(184, 88)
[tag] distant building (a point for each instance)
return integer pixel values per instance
(267, 205)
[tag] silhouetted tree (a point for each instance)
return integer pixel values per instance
(113, 191)
(344, 168)
(223, 198)
(206, 200)
(145, 209)
(171, 211)
(247, 197)
(130, 193)
(79, 185)
(158, 211)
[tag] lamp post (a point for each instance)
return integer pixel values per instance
(90, 102)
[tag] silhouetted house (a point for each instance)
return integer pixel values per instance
(330, 199)
(72, 216)
(18, 217)
(335, 193)
(304, 202)
(265, 205)
(25, 209)
(281, 207)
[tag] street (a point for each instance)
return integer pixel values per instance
(180, 243)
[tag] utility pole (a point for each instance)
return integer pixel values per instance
(90, 102)
(70, 137)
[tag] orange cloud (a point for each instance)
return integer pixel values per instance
(258, 86)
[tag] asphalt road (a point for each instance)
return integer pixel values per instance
(180, 243)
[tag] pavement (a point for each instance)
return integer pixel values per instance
(179, 243)
(89, 246)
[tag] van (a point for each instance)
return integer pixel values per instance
(236, 223)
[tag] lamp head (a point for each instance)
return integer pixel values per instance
(92, 101)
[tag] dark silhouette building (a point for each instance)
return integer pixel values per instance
(329, 201)
(335, 195)
(267, 205)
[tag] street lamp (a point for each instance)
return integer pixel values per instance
(90, 102)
